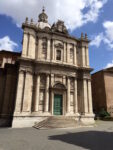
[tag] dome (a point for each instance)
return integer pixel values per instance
(43, 25)
(43, 20)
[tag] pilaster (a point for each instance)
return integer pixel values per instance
(20, 92)
(37, 93)
(75, 97)
(85, 96)
(48, 49)
(32, 47)
(64, 52)
(83, 56)
(27, 99)
(75, 55)
(53, 50)
(87, 56)
(25, 45)
(68, 53)
(46, 109)
(68, 95)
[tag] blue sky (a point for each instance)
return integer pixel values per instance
(94, 17)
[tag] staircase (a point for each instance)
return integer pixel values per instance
(57, 122)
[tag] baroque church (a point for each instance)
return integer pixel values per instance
(51, 77)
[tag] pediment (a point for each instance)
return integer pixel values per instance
(59, 45)
(59, 86)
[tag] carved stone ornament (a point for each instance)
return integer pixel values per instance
(59, 27)
(59, 45)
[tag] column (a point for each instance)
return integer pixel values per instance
(85, 96)
(53, 50)
(32, 46)
(75, 55)
(68, 95)
(20, 92)
(27, 99)
(46, 109)
(83, 56)
(48, 49)
(37, 96)
(75, 97)
(39, 48)
(25, 44)
(90, 97)
(87, 56)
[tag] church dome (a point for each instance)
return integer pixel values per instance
(43, 20)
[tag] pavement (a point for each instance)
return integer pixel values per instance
(99, 137)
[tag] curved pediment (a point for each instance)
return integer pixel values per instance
(59, 86)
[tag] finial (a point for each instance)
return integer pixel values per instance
(26, 20)
(82, 35)
(43, 9)
(31, 21)
(86, 36)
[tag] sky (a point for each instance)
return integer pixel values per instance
(94, 17)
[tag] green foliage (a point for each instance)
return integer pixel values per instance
(103, 113)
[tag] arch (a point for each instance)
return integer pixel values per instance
(59, 85)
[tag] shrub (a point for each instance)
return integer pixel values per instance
(103, 113)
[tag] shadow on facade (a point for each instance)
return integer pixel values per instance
(92, 140)
(8, 84)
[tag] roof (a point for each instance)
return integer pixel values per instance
(110, 69)
(9, 53)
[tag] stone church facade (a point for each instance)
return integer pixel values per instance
(53, 74)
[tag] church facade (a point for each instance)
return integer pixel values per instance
(53, 74)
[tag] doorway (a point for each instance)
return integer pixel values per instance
(58, 104)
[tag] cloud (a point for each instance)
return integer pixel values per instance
(106, 37)
(109, 65)
(75, 13)
(7, 44)
(97, 40)
(108, 25)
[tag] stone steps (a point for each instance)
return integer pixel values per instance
(57, 122)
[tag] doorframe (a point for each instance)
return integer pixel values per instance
(63, 93)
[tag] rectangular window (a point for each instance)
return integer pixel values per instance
(58, 55)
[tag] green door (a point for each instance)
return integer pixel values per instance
(57, 104)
